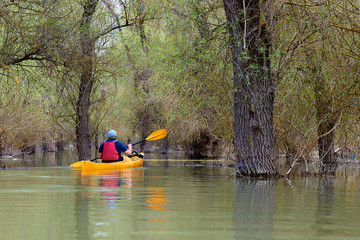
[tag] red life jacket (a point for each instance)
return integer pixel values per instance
(109, 152)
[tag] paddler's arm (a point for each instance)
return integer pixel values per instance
(129, 151)
(101, 149)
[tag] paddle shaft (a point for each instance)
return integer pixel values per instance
(139, 142)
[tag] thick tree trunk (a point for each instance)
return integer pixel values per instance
(86, 82)
(96, 144)
(254, 137)
(83, 142)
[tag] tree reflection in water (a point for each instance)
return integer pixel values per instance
(325, 206)
(254, 208)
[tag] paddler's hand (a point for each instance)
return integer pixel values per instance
(130, 147)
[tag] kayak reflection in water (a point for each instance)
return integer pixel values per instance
(115, 184)
(110, 193)
(110, 150)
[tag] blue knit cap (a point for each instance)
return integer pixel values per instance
(112, 134)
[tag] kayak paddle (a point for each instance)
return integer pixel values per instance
(159, 134)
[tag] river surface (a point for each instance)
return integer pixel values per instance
(171, 199)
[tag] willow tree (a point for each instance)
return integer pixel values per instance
(318, 102)
(337, 83)
(250, 40)
(23, 53)
(190, 76)
(98, 20)
(87, 44)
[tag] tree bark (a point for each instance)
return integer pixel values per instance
(96, 143)
(87, 43)
(254, 137)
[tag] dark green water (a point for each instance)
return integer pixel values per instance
(172, 200)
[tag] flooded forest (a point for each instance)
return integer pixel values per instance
(257, 84)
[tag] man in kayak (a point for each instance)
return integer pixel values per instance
(110, 150)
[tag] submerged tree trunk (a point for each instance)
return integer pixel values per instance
(254, 137)
(327, 121)
(86, 81)
(60, 145)
(204, 147)
(144, 112)
(28, 149)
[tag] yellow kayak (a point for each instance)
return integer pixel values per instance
(133, 162)
(128, 162)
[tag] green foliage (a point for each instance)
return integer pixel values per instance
(23, 116)
(317, 80)
(192, 76)
(189, 88)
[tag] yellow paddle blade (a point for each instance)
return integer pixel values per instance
(159, 134)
